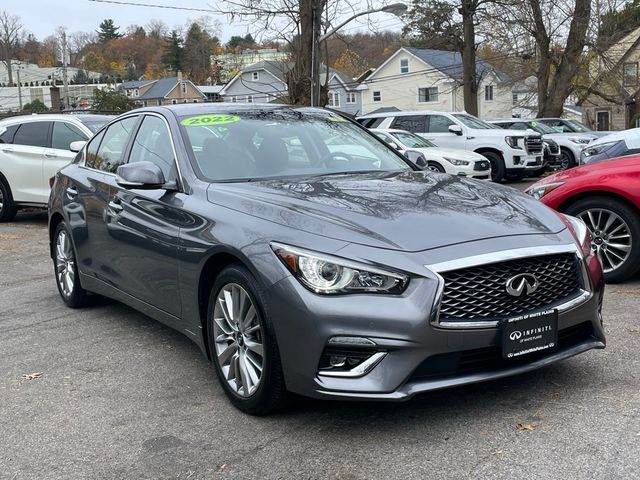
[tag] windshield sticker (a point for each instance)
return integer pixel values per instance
(534, 124)
(204, 120)
(333, 118)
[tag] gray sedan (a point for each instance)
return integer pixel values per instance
(302, 254)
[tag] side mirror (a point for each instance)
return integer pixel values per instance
(76, 146)
(416, 158)
(395, 146)
(143, 175)
(455, 129)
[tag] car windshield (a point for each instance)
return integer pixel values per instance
(412, 140)
(94, 125)
(473, 122)
(255, 145)
(578, 127)
(541, 127)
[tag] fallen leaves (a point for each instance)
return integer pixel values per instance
(32, 376)
(526, 426)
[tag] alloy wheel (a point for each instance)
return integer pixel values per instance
(565, 161)
(1, 201)
(238, 338)
(65, 263)
(610, 237)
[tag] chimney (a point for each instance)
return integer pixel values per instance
(180, 75)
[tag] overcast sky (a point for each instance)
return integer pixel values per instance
(42, 17)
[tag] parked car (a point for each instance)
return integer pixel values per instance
(563, 125)
(607, 198)
(444, 160)
(32, 149)
(618, 144)
(511, 152)
(571, 144)
(316, 271)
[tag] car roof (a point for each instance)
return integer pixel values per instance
(389, 130)
(413, 112)
(49, 117)
(183, 109)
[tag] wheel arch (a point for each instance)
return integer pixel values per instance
(482, 150)
(596, 193)
(54, 221)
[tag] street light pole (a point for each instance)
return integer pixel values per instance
(395, 9)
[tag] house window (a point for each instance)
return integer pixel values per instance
(159, 103)
(195, 101)
(488, 93)
(144, 104)
(515, 98)
(404, 65)
(174, 102)
(334, 99)
(249, 98)
(630, 74)
(428, 94)
(377, 96)
(185, 101)
(136, 93)
(255, 76)
(351, 97)
(234, 99)
(184, 87)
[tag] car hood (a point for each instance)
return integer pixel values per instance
(630, 136)
(559, 137)
(451, 153)
(408, 211)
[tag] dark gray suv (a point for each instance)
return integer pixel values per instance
(303, 255)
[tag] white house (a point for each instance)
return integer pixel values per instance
(426, 79)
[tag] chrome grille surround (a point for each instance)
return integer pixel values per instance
(482, 312)
(533, 145)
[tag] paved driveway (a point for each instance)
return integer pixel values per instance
(121, 396)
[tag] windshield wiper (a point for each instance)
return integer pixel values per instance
(351, 172)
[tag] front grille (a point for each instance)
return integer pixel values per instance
(479, 293)
(533, 145)
(554, 148)
(489, 359)
(481, 165)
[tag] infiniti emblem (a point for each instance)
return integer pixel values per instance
(517, 335)
(522, 285)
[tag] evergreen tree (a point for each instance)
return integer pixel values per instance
(108, 31)
(173, 56)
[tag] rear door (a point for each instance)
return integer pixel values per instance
(22, 162)
(144, 225)
(58, 154)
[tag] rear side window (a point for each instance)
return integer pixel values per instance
(411, 123)
(64, 134)
(153, 144)
(33, 134)
(111, 150)
(7, 133)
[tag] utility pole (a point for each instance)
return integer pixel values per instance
(19, 87)
(65, 83)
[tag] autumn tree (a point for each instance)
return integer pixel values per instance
(10, 35)
(350, 63)
(30, 49)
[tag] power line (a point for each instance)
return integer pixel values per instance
(152, 5)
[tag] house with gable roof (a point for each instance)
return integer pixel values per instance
(427, 79)
(165, 91)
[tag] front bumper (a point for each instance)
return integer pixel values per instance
(420, 355)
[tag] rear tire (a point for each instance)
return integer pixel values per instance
(615, 231)
(65, 268)
(8, 208)
(243, 345)
(497, 165)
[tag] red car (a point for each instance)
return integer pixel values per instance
(606, 196)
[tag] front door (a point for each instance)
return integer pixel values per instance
(144, 225)
(438, 132)
(602, 121)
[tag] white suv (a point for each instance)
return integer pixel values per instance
(512, 153)
(32, 149)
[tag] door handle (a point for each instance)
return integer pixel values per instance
(8, 149)
(50, 154)
(72, 192)
(115, 206)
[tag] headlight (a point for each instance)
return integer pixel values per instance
(513, 142)
(580, 232)
(596, 149)
(580, 141)
(456, 162)
(331, 275)
(539, 191)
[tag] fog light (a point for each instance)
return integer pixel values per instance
(337, 361)
(349, 341)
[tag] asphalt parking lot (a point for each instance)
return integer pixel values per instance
(106, 392)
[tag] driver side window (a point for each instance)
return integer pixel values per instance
(110, 154)
(153, 144)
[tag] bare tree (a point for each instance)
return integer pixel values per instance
(77, 44)
(10, 35)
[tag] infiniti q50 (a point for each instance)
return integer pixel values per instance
(302, 254)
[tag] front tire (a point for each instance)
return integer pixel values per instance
(567, 160)
(243, 345)
(435, 167)
(66, 269)
(615, 232)
(8, 208)
(497, 166)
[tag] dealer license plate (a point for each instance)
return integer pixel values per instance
(529, 333)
